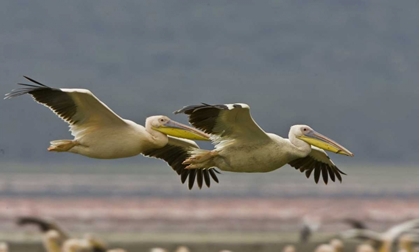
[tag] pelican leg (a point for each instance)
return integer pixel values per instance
(200, 160)
(194, 166)
(62, 145)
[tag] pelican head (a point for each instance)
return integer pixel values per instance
(307, 134)
(167, 126)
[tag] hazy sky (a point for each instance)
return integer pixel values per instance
(349, 69)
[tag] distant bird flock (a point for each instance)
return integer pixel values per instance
(403, 237)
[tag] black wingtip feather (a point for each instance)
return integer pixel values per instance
(174, 155)
(308, 173)
(204, 116)
(213, 175)
(217, 171)
(184, 175)
(191, 179)
(325, 174)
(331, 172)
(206, 177)
(316, 175)
(27, 89)
(309, 164)
(34, 81)
(200, 178)
(340, 171)
(337, 174)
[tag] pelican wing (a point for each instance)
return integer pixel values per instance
(354, 223)
(78, 107)
(362, 234)
(319, 162)
(174, 153)
(224, 120)
(401, 228)
(42, 224)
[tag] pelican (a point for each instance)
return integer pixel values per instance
(289, 248)
(4, 247)
(83, 244)
(386, 239)
(88, 243)
(55, 239)
(158, 250)
(43, 225)
(364, 247)
(53, 236)
(51, 241)
(182, 249)
(310, 226)
(405, 242)
(337, 245)
(100, 133)
(242, 146)
(324, 248)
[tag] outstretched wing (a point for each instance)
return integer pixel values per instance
(319, 162)
(397, 230)
(354, 223)
(227, 121)
(362, 234)
(174, 153)
(78, 107)
(43, 225)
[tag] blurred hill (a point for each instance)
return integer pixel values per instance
(349, 69)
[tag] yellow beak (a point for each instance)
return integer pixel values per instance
(316, 139)
(177, 129)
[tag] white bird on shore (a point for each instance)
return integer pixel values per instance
(53, 236)
(4, 247)
(87, 244)
(384, 240)
(324, 248)
(289, 248)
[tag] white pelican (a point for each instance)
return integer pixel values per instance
(386, 239)
(56, 240)
(242, 146)
(182, 249)
(310, 226)
(79, 245)
(405, 242)
(289, 248)
(158, 250)
(52, 241)
(4, 247)
(100, 133)
(337, 244)
(53, 236)
(324, 248)
(43, 225)
(364, 247)
(87, 244)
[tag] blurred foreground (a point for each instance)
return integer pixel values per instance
(138, 209)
